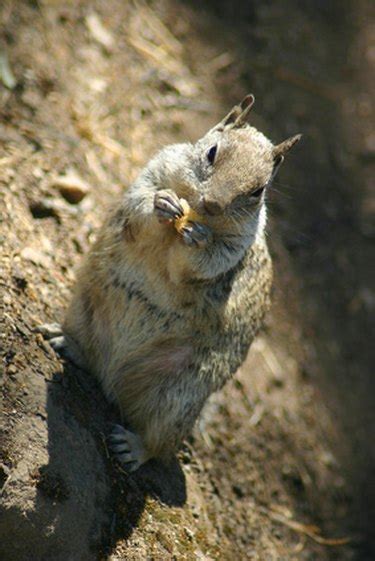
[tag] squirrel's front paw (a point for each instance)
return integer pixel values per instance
(196, 234)
(167, 206)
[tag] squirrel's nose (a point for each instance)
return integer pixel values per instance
(212, 207)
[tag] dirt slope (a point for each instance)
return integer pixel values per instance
(100, 86)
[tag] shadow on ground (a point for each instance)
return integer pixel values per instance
(84, 503)
(77, 409)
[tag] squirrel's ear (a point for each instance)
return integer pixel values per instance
(245, 105)
(284, 147)
(237, 115)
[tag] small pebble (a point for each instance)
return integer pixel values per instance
(35, 256)
(72, 187)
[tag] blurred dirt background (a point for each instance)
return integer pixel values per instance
(282, 465)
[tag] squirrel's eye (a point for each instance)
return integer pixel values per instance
(257, 193)
(211, 154)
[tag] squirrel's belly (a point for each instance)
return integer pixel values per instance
(129, 316)
(126, 320)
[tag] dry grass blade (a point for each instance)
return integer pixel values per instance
(160, 31)
(88, 128)
(150, 37)
(105, 445)
(221, 62)
(95, 166)
(6, 74)
(257, 415)
(154, 52)
(159, 57)
(309, 530)
(99, 32)
(308, 85)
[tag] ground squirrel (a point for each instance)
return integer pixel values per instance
(177, 284)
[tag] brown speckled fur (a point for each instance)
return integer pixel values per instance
(164, 321)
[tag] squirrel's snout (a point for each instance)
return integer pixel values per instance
(212, 208)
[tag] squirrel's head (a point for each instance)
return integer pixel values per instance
(225, 174)
(236, 163)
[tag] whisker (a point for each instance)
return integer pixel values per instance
(281, 193)
(284, 186)
(286, 227)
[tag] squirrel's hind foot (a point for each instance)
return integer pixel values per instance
(61, 344)
(127, 448)
(50, 330)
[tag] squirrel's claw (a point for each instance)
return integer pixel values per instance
(196, 234)
(167, 206)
